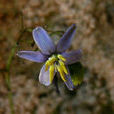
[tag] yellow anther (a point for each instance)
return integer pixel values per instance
(61, 72)
(50, 62)
(47, 65)
(51, 71)
(61, 57)
(63, 66)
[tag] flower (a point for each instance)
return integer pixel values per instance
(54, 57)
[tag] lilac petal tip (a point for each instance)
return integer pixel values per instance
(34, 56)
(65, 42)
(44, 76)
(69, 82)
(43, 41)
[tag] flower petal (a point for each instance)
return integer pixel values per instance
(72, 57)
(35, 56)
(65, 41)
(43, 40)
(68, 81)
(44, 76)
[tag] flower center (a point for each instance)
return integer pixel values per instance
(56, 63)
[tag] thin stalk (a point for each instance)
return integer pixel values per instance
(10, 59)
(10, 95)
(8, 81)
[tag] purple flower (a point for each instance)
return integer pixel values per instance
(54, 57)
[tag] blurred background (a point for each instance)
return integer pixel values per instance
(20, 92)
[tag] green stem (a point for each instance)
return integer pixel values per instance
(10, 95)
(8, 81)
(10, 59)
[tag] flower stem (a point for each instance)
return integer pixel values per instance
(8, 81)
(10, 96)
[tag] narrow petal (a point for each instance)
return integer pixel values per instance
(65, 41)
(67, 79)
(69, 82)
(73, 56)
(44, 76)
(43, 40)
(34, 56)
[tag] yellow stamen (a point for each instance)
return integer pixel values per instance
(50, 62)
(51, 71)
(61, 57)
(47, 65)
(63, 66)
(52, 59)
(59, 68)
